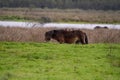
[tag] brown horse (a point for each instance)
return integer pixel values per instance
(64, 36)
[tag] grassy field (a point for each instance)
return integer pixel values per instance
(53, 61)
(59, 15)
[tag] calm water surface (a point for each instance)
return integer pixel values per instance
(58, 25)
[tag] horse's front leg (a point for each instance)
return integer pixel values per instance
(60, 41)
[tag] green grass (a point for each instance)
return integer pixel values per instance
(51, 61)
(13, 18)
(45, 20)
(83, 22)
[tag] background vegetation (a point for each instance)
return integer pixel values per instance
(59, 15)
(64, 4)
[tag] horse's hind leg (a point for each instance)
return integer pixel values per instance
(82, 41)
(77, 42)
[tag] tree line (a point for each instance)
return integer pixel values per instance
(63, 4)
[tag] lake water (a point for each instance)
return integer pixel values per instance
(58, 25)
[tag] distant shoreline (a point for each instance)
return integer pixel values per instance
(60, 15)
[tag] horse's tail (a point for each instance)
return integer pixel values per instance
(86, 39)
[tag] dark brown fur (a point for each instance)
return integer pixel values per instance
(64, 36)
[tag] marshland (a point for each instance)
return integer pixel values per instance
(25, 55)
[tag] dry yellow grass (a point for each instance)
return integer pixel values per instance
(103, 36)
(37, 35)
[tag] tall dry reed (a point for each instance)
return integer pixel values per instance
(37, 34)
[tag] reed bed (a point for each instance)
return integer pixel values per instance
(35, 34)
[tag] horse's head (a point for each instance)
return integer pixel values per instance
(48, 35)
(54, 34)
